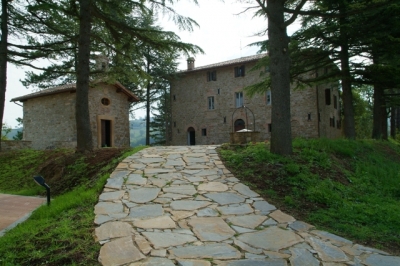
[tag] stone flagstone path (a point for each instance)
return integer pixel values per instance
(180, 206)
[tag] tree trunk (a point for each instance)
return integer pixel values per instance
(83, 129)
(281, 135)
(377, 113)
(148, 114)
(148, 102)
(384, 124)
(393, 122)
(3, 60)
(348, 109)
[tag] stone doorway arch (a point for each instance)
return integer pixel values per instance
(239, 124)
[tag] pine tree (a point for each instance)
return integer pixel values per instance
(72, 32)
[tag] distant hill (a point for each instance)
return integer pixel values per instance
(138, 132)
(12, 133)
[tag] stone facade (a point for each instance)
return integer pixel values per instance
(49, 116)
(204, 105)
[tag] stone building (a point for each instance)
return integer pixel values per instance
(49, 116)
(207, 105)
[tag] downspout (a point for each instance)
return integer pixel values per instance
(318, 114)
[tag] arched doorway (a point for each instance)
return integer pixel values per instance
(239, 125)
(191, 133)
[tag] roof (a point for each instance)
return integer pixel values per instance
(228, 63)
(72, 88)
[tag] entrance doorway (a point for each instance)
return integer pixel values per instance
(191, 136)
(239, 125)
(106, 133)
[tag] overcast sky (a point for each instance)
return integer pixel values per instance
(223, 35)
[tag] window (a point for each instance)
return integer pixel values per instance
(105, 101)
(204, 131)
(239, 71)
(211, 103)
(212, 75)
(269, 127)
(224, 119)
(174, 97)
(335, 101)
(328, 96)
(269, 97)
(218, 91)
(239, 99)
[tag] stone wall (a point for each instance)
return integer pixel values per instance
(117, 111)
(11, 145)
(189, 104)
(49, 121)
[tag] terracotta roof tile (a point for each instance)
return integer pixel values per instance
(227, 63)
(65, 88)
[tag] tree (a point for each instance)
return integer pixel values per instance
(161, 124)
(279, 68)
(349, 33)
(104, 27)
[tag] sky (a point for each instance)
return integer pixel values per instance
(223, 35)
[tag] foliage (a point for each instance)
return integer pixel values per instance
(19, 135)
(62, 233)
(4, 131)
(336, 185)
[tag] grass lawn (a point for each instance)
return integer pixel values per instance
(61, 234)
(349, 188)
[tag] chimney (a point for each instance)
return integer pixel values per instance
(190, 63)
(101, 63)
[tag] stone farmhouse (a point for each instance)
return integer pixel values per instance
(207, 105)
(49, 116)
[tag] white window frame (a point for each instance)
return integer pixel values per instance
(239, 99)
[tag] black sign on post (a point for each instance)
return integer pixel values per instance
(40, 181)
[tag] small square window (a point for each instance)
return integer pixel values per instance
(204, 131)
(239, 71)
(211, 103)
(212, 75)
(239, 99)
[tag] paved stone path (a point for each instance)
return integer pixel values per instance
(15, 209)
(181, 206)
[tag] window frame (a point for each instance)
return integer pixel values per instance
(268, 94)
(239, 99)
(211, 102)
(239, 71)
(212, 75)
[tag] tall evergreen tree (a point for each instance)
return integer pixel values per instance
(104, 27)
(279, 67)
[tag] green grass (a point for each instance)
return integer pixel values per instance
(350, 188)
(60, 234)
(18, 168)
